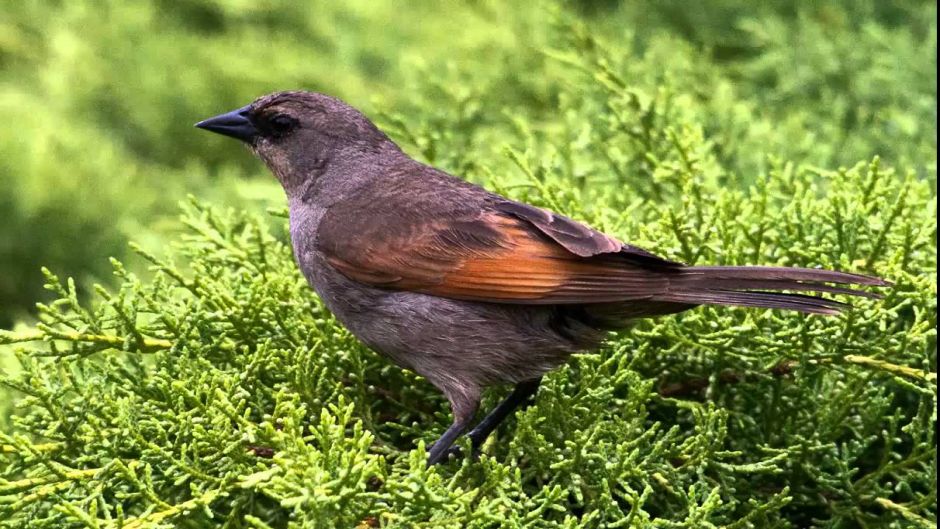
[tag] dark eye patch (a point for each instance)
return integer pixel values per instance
(279, 125)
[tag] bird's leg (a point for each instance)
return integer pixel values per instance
(521, 396)
(463, 410)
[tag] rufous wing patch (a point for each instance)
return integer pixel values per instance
(498, 258)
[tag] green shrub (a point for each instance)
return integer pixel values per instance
(222, 392)
(206, 385)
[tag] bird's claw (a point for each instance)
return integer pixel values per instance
(454, 452)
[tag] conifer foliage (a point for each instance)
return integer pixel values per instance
(206, 385)
(220, 390)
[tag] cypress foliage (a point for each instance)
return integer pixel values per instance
(206, 385)
(220, 390)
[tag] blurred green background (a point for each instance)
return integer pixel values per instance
(98, 98)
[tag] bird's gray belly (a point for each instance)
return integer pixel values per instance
(439, 338)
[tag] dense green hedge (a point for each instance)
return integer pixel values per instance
(205, 384)
(222, 391)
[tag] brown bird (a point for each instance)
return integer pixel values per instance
(465, 287)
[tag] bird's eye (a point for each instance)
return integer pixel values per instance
(281, 124)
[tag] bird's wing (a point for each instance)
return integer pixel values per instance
(505, 252)
(577, 238)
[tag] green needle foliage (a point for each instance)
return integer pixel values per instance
(205, 385)
(221, 392)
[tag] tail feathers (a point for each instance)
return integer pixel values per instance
(755, 286)
(782, 273)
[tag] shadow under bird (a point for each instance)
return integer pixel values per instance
(463, 286)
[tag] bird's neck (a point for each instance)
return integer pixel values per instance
(325, 180)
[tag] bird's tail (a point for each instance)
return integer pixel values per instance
(759, 286)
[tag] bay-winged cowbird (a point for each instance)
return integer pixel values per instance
(465, 287)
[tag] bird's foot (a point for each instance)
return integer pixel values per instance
(454, 452)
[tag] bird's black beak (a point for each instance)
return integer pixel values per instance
(236, 124)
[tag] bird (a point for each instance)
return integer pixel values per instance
(465, 287)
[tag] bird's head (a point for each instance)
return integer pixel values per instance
(298, 134)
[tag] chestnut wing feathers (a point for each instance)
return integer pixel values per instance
(504, 253)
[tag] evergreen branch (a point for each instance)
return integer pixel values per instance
(29, 483)
(39, 494)
(895, 369)
(156, 518)
(906, 513)
(42, 447)
(44, 332)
